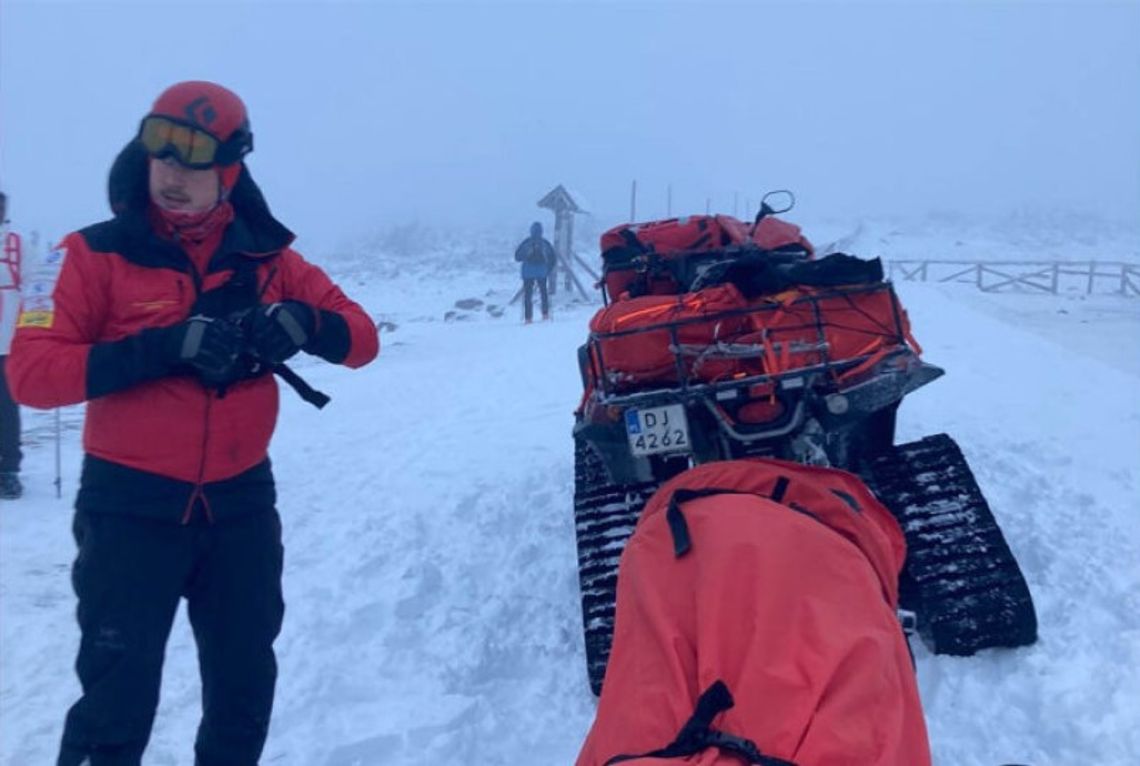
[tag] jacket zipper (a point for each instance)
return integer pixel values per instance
(199, 493)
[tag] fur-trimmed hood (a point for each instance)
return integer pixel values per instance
(128, 195)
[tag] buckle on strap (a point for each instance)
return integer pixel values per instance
(697, 735)
(744, 748)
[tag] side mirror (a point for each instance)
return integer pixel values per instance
(779, 201)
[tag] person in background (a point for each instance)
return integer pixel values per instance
(538, 258)
(10, 486)
(170, 320)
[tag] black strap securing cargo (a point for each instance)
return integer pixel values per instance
(847, 498)
(698, 735)
(682, 540)
(766, 272)
(679, 528)
(682, 543)
(780, 489)
(629, 236)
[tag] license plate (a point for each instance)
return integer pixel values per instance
(654, 430)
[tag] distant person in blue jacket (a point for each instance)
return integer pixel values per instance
(537, 257)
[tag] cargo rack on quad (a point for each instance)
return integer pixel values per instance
(836, 409)
(794, 391)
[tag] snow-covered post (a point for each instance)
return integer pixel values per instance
(564, 206)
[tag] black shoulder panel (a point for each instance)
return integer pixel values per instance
(104, 237)
(130, 236)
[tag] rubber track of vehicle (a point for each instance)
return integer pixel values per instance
(960, 576)
(604, 515)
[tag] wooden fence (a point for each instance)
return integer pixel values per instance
(1053, 277)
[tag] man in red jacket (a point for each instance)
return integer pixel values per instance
(170, 320)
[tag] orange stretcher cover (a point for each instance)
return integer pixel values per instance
(799, 328)
(790, 603)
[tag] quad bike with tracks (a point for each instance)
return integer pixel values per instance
(723, 339)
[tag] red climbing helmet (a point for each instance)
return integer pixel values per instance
(200, 124)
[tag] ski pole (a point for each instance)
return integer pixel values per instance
(58, 476)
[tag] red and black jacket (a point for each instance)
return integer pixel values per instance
(156, 442)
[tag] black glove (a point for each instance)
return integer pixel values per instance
(210, 345)
(277, 331)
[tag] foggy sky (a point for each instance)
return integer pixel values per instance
(370, 114)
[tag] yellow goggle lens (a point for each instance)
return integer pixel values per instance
(190, 146)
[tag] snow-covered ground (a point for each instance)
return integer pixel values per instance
(431, 580)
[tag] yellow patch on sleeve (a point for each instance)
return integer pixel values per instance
(35, 319)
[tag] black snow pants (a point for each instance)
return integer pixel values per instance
(528, 300)
(130, 575)
(9, 426)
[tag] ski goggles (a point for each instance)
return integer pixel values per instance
(190, 145)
